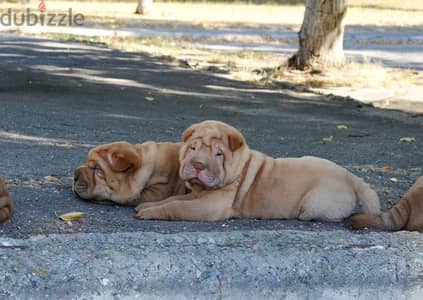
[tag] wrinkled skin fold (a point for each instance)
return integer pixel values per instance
(229, 180)
(128, 174)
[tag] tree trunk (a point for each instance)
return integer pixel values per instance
(322, 35)
(144, 7)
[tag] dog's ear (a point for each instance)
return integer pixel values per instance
(235, 141)
(188, 132)
(235, 138)
(122, 157)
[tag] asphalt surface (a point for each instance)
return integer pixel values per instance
(59, 99)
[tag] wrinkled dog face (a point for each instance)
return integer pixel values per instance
(207, 152)
(106, 173)
(203, 164)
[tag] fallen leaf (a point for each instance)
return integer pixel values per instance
(393, 179)
(148, 98)
(51, 178)
(387, 169)
(72, 216)
(328, 139)
(342, 126)
(407, 139)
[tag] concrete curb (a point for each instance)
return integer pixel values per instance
(287, 264)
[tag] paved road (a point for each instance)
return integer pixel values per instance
(60, 99)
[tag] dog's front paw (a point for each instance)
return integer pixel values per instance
(138, 208)
(148, 213)
(144, 205)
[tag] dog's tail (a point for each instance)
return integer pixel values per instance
(394, 219)
(6, 203)
(369, 200)
(397, 217)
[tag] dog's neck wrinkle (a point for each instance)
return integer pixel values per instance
(237, 175)
(241, 179)
(143, 175)
(155, 176)
(246, 180)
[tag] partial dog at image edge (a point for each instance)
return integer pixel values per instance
(128, 174)
(229, 180)
(407, 214)
(6, 203)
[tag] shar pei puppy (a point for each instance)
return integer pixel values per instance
(229, 180)
(407, 214)
(6, 203)
(128, 174)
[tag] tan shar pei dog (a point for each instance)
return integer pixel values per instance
(407, 214)
(229, 180)
(6, 203)
(129, 174)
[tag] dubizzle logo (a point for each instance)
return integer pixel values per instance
(41, 18)
(42, 6)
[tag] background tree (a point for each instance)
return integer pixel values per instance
(144, 7)
(321, 35)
